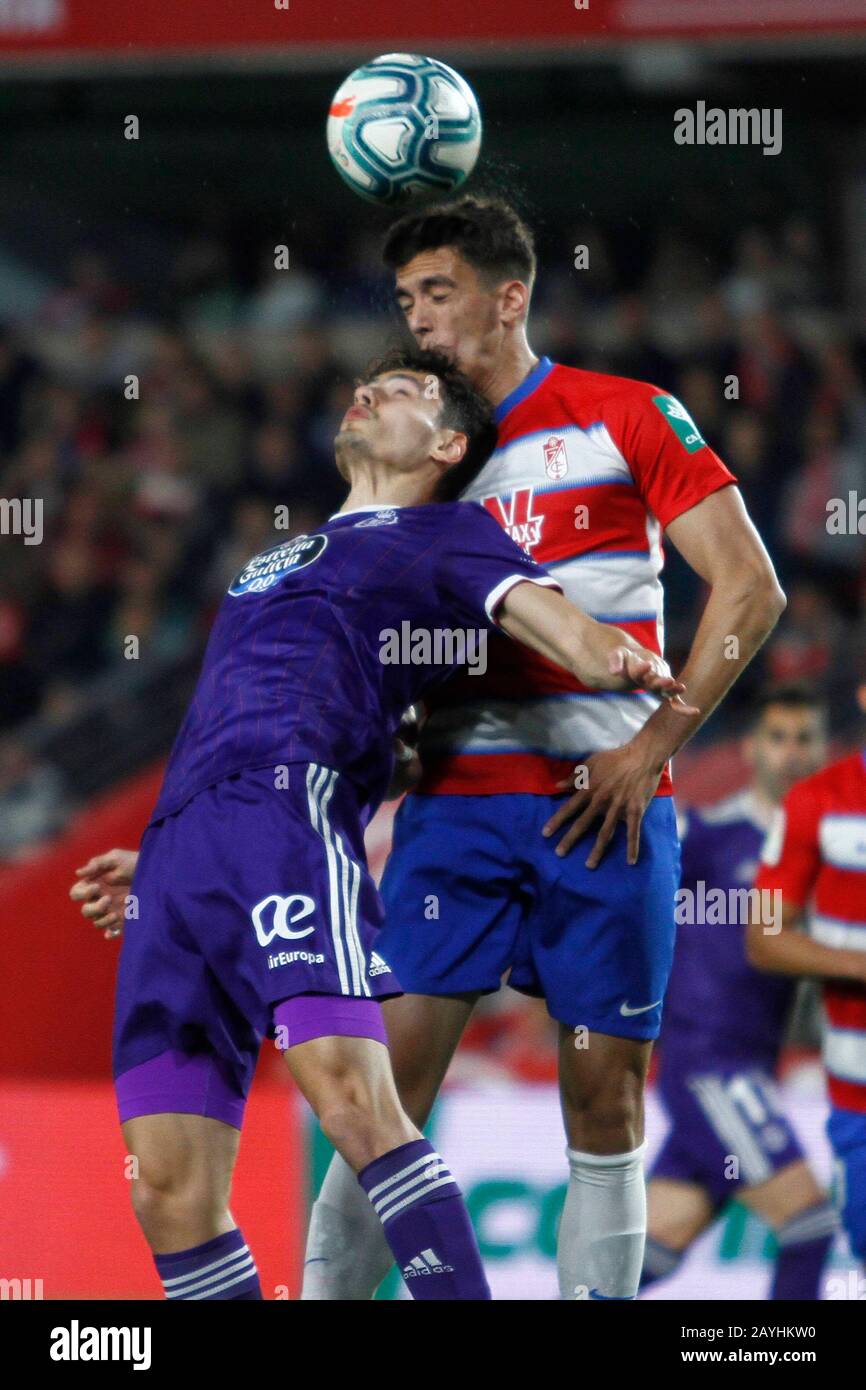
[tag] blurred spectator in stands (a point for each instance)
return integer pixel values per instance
(635, 352)
(328, 488)
(203, 290)
(805, 644)
(748, 289)
(283, 299)
(775, 377)
(17, 371)
(210, 431)
(272, 471)
(75, 605)
(18, 685)
(143, 610)
(817, 495)
(33, 803)
(252, 530)
(163, 483)
(744, 448)
(799, 274)
(91, 288)
(169, 355)
(702, 394)
(234, 370)
(715, 345)
(283, 399)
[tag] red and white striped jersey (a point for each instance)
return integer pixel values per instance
(816, 852)
(587, 472)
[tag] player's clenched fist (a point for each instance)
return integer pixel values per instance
(101, 886)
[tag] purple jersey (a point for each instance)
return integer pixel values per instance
(717, 1004)
(319, 645)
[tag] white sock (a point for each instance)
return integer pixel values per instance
(347, 1254)
(603, 1227)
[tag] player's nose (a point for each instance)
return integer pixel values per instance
(364, 395)
(419, 325)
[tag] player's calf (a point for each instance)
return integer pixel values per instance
(180, 1191)
(603, 1227)
(349, 1083)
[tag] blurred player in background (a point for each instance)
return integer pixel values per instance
(815, 857)
(588, 472)
(723, 1028)
(257, 914)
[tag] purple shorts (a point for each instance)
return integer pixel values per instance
(249, 895)
(728, 1127)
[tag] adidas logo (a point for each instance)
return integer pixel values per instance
(428, 1262)
(378, 966)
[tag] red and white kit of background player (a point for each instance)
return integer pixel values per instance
(815, 857)
(589, 470)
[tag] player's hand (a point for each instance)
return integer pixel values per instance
(101, 886)
(620, 785)
(642, 669)
(407, 768)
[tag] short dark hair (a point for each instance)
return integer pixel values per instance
(461, 408)
(790, 695)
(487, 232)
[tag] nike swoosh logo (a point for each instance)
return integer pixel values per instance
(628, 1013)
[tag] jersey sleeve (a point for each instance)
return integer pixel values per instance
(672, 465)
(480, 564)
(791, 856)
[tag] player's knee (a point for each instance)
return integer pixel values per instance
(165, 1193)
(360, 1134)
(362, 1122)
(604, 1121)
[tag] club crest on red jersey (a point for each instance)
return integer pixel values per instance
(555, 458)
(516, 516)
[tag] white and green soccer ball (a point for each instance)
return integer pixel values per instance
(404, 126)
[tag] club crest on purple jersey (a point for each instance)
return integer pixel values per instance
(267, 569)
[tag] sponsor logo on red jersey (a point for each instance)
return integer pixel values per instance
(515, 514)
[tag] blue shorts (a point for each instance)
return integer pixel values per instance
(846, 1130)
(728, 1127)
(248, 895)
(472, 890)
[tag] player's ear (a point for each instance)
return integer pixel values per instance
(861, 696)
(451, 447)
(513, 301)
(747, 747)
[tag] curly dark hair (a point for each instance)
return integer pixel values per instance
(461, 408)
(487, 232)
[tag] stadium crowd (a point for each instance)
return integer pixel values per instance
(160, 442)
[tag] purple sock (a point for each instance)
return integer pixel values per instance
(222, 1268)
(804, 1245)
(426, 1223)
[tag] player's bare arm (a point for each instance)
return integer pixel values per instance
(599, 655)
(782, 948)
(100, 886)
(717, 539)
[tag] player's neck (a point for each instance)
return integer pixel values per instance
(764, 803)
(384, 492)
(507, 370)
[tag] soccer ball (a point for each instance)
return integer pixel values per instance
(403, 125)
